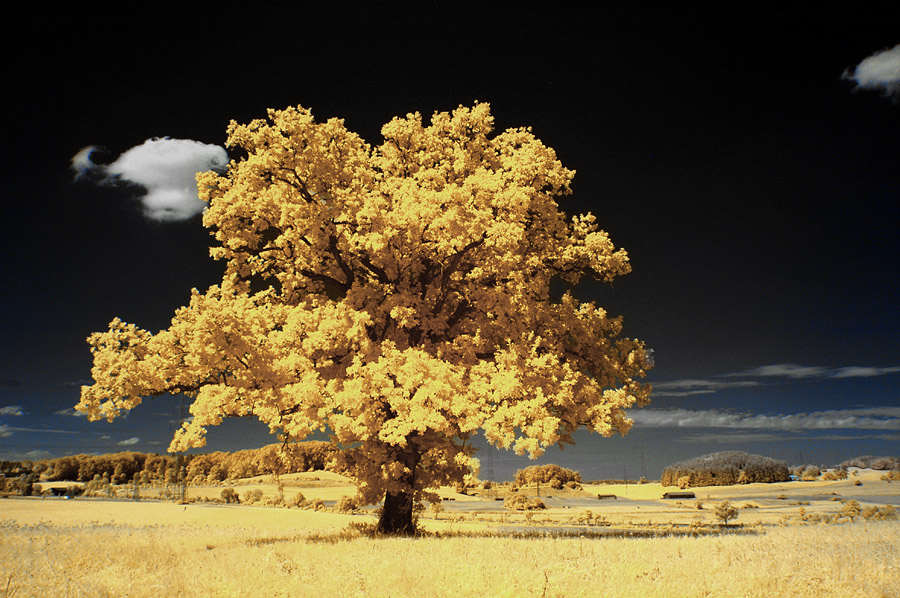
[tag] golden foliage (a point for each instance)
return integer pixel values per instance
(395, 297)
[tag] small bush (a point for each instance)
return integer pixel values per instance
(275, 501)
(810, 474)
(253, 496)
(879, 513)
(521, 502)
(346, 504)
(230, 496)
(298, 500)
(851, 509)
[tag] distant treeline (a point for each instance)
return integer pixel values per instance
(870, 462)
(127, 467)
(724, 469)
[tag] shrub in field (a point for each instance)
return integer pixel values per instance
(548, 475)
(252, 496)
(520, 502)
(810, 473)
(724, 469)
(874, 513)
(891, 476)
(851, 509)
(230, 496)
(346, 504)
(726, 512)
(298, 500)
(276, 501)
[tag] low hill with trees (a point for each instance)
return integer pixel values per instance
(724, 469)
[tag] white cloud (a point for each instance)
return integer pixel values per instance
(129, 442)
(82, 163)
(37, 454)
(880, 71)
(784, 370)
(5, 431)
(11, 410)
(860, 372)
(873, 418)
(71, 412)
(689, 387)
(165, 168)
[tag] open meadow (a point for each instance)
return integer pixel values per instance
(634, 545)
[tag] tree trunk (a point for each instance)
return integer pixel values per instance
(397, 512)
(397, 515)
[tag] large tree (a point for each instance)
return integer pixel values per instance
(397, 298)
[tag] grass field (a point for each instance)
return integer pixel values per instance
(108, 548)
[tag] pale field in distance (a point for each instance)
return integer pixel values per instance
(116, 548)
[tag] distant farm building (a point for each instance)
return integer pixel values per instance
(677, 495)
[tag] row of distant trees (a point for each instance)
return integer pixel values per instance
(717, 469)
(870, 462)
(128, 467)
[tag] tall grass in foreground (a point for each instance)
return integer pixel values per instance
(861, 559)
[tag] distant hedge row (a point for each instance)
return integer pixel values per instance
(870, 462)
(126, 467)
(724, 469)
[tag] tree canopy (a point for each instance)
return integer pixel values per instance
(394, 297)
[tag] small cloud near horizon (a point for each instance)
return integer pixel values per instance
(70, 411)
(129, 442)
(166, 168)
(12, 410)
(880, 71)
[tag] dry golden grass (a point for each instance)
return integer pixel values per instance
(101, 548)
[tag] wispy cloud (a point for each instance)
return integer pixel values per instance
(129, 441)
(70, 411)
(692, 386)
(754, 437)
(764, 374)
(783, 370)
(792, 370)
(871, 418)
(164, 167)
(9, 430)
(880, 71)
(861, 372)
(11, 410)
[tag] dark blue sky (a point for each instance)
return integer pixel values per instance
(756, 190)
